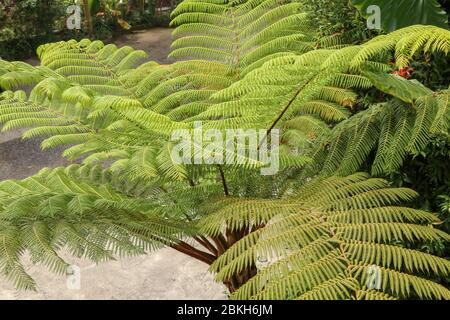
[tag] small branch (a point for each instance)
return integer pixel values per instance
(224, 182)
(232, 237)
(189, 250)
(206, 244)
(283, 112)
(220, 244)
(88, 17)
(191, 182)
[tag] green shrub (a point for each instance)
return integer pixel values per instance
(27, 24)
(339, 17)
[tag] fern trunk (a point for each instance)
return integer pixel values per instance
(88, 17)
(213, 252)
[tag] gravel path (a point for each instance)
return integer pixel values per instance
(156, 42)
(165, 274)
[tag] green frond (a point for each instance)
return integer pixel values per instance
(322, 245)
(48, 212)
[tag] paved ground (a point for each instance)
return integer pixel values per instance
(165, 274)
(156, 42)
(22, 158)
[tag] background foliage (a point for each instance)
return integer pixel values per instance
(24, 25)
(426, 172)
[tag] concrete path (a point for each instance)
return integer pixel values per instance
(156, 42)
(165, 274)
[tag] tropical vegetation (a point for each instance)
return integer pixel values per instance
(26, 24)
(356, 115)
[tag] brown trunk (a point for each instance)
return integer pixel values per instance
(194, 253)
(216, 248)
(217, 245)
(88, 17)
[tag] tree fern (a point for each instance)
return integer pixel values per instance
(322, 241)
(256, 64)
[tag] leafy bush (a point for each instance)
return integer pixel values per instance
(258, 64)
(427, 173)
(339, 17)
(26, 24)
